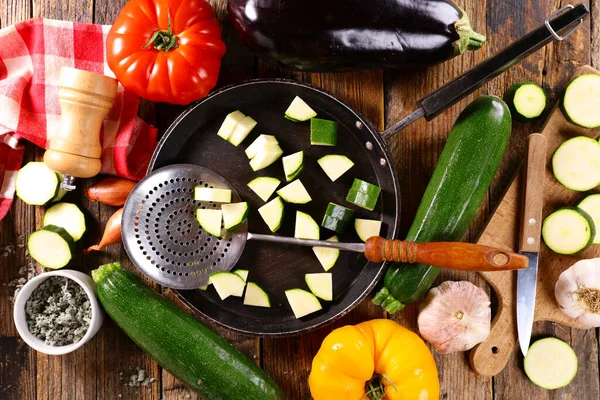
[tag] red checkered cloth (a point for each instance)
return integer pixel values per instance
(31, 56)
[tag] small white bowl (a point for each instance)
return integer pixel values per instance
(88, 286)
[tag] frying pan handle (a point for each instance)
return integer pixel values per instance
(555, 26)
(450, 255)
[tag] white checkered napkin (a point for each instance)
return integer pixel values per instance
(31, 56)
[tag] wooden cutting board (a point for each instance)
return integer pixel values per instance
(491, 356)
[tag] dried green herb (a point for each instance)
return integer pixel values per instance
(58, 311)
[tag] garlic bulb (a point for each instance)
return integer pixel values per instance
(455, 316)
(577, 292)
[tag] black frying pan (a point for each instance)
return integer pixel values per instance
(192, 139)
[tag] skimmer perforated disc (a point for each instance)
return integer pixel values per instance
(161, 234)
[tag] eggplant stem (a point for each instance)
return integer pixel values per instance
(468, 39)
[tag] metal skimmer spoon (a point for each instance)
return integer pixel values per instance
(164, 240)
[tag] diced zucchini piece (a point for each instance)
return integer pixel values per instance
(37, 185)
(294, 192)
(366, 228)
(229, 124)
(210, 220)
(323, 132)
(52, 246)
(337, 218)
(591, 205)
(227, 284)
(67, 216)
(299, 111)
(550, 363)
(266, 156)
(320, 284)
(581, 102)
(241, 131)
(363, 194)
(243, 273)
(576, 164)
(335, 165)
(264, 186)
(326, 256)
(306, 227)
(234, 215)
(302, 302)
(568, 230)
(256, 296)
(259, 144)
(272, 213)
(293, 165)
(205, 287)
(202, 193)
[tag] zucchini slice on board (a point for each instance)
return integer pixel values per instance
(229, 124)
(293, 165)
(256, 296)
(576, 164)
(335, 165)
(320, 284)
(327, 256)
(264, 186)
(323, 132)
(526, 100)
(67, 216)
(294, 192)
(591, 205)
(210, 220)
(227, 284)
(306, 227)
(581, 101)
(52, 246)
(37, 185)
(550, 363)
(234, 215)
(302, 302)
(272, 213)
(209, 194)
(299, 111)
(568, 230)
(366, 228)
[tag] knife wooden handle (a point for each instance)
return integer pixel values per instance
(449, 255)
(533, 198)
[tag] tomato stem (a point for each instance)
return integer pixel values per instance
(375, 389)
(163, 40)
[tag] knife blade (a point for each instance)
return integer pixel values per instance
(530, 236)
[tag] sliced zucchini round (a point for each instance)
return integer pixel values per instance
(550, 363)
(576, 164)
(526, 100)
(37, 185)
(568, 230)
(52, 246)
(591, 205)
(67, 216)
(581, 101)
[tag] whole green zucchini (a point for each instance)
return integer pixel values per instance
(191, 352)
(461, 179)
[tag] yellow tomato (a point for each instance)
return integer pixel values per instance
(377, 354)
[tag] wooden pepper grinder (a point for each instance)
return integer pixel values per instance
(85, 99)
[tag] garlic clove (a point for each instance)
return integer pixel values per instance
(455, 316)
(577, 292)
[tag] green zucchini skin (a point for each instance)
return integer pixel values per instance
(191, 352)
(460, 181)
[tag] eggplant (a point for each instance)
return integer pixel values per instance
(335, 35)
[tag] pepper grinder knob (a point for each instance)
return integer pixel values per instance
(85, 99)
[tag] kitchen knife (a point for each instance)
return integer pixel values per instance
(529, 241)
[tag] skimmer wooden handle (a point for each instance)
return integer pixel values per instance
(449, 255)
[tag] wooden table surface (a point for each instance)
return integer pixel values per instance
(102, 367)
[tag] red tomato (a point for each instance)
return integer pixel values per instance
(166, 50)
